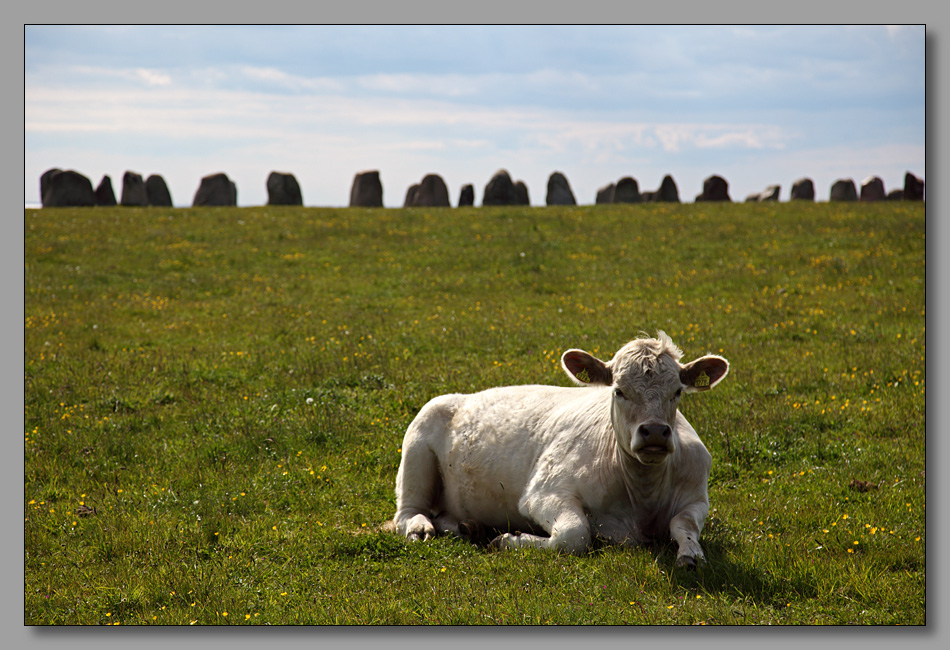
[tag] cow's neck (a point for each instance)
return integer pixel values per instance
(645, 484)
(648, 491)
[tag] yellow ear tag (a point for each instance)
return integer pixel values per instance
(584, 377)
(702, 380)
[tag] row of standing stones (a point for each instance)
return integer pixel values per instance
(367, 191)
(60, 188)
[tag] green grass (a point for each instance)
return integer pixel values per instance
(228, 390)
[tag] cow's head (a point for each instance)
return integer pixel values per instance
(647, 381)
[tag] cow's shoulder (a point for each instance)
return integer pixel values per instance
(693, 462)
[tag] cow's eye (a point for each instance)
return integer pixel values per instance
(677, 394)
(619, 393)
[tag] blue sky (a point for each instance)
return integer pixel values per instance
(756, 105)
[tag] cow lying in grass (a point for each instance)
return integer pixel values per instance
(615, 460)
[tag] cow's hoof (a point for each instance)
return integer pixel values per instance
(505, 540)
(470, 529)
(419, 528)
(502, 541)
(419, 536)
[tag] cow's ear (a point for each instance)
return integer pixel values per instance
(703, 373)
(584, 368)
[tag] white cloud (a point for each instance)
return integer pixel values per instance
(748, 138)
(98, 76)
(270, 77)
(180, 113)
(152, 78)
(269, 74)
(899, 30)
(447, 85)
(403, 137)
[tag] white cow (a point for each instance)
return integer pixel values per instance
(615, 460)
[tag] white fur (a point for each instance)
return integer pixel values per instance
(561, 465)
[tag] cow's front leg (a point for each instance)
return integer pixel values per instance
(685, 528)
(569, 533)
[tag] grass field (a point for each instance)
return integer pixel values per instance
(215, 400)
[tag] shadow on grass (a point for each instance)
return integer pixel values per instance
(723, 575)
(720, 574)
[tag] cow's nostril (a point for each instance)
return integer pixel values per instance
(655, 431)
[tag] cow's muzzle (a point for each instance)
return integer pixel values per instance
(654, 441)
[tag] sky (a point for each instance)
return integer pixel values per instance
(757, 105)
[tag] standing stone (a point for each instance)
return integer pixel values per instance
(216, 190)
(521, 194)
(67, 189)
(559, 191)
(133, 190)
(367, 190)
(467, 196)
(896, 194)
(605, 194)
(104, 194)
(770, 194)
(803, 190)
(872, 189)
(500, 190)
(627, 191)
(44, 181)
(667, 192)
(844, 190)
(431, 193)
(157, 191)
(715, 188)
(913, 188)
(283, 189)
(410, 195)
